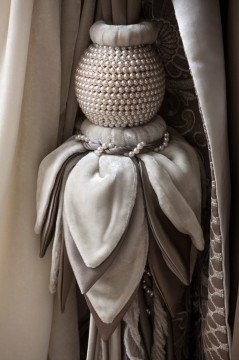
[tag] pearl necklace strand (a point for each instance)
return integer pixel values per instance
(107, 146)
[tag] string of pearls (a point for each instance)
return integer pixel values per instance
(103, 147)
(147, 287)
(142, 144)
(164, 144)
(106, 146)
(137, 149)
(83, 138)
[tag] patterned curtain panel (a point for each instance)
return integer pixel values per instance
(204, 320)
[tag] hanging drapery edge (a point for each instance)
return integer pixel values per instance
(212, 71)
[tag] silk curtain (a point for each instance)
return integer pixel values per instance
(30, 82)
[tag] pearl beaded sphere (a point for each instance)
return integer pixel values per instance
(120, 86)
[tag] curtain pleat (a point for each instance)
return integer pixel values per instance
(107, 11)
(14, 43)
(133, 11)
(90, 12)
(69, 26)
(119, 12)
(30, 78)
(232, 51)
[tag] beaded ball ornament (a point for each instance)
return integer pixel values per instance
(119, 86)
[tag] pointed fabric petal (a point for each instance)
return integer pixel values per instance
(174, 245)
(175, 177)
(168, 284)
(99, 197)
(112, 291)
(58, 224)
(50, 225)
(47, 176)
(106, 330)
(65, 277)
(86, 276)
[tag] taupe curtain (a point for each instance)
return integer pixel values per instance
(232, 56)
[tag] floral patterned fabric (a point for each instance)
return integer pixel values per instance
(204, 319)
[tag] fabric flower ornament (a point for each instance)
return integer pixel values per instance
(124, 192)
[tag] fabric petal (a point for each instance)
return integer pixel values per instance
(175, 246)
(58, 225)
(175, 178)
(65, 277)
(99, 198)
(47, 176)
(106, 330)
(113, 290)
(86, 276)
(50, 224)
(169, 285)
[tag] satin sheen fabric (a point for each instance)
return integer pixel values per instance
(232, 57)
(29, 77)
(204, 51)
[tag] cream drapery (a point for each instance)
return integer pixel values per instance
(204, 50)
(40, 44)
(30, 83)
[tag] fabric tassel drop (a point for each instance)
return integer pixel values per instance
(122, 197)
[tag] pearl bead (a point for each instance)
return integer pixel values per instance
(131, 154)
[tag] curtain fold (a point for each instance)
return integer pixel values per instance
(64, 340)
(69, 25)
(14, 43)
(232, 51)
(90, 12)
(200, 28)
(29, 115)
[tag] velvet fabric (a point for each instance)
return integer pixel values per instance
(110, 209)
(148, 133)
(123, 35)
(109, 272)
